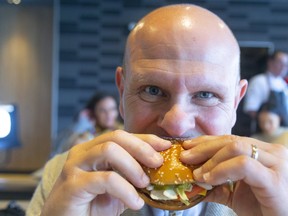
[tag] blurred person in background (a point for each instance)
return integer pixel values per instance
(261, 85)
(269, 87)
(268, 120)
(99, 115)
(104, 113)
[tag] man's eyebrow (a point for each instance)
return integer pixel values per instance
(197, 84)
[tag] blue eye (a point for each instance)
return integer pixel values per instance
(153, 90)
(205, 98)
(152, 94)
(205, 95)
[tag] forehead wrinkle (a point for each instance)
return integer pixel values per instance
(180, 52)
(193, 65)
(163, 51)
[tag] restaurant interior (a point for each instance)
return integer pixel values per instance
(54, 54)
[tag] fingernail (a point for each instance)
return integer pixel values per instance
(158, 157)
(166, 142)
(197, 172)
(145, 179)
(188, 144)
(139, 202)
(206, 176)
(184, 154)
(189, 141)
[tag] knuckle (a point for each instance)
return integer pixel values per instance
(284, 150)
(110, 177)
(68, 171)
(108, 147)
(244, 162)
(116, 134)
(232, 138)
(281, 149)
(236, 146)
(74, 150)
(283, 165)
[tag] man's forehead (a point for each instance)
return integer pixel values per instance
(178, 66)
(183, 71)
(217, 55)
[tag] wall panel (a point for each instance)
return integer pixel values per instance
(93, 34)
(25, 79)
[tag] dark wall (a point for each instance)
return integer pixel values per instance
(93, 33)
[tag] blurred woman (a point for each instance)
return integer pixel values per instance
(103, 111)
(99, 116)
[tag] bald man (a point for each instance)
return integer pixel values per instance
(180, 78)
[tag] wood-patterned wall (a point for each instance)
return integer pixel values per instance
(25, 79)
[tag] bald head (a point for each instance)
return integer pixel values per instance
(184, 31)
(181, 74)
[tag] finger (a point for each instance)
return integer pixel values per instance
(158, 143)
(202, 148)
(112, 156)
(240, 168)
(207, 146)
(142, 147)
(280, 150)
(111, 183)
(190, 143)
(138, 148)
(124, 138)
(234, 150)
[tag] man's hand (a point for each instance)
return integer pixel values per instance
(99, 176)
(261, 185)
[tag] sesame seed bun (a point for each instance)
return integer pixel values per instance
(171, 172)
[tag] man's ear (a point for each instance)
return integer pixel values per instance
(119, 76)
(242, 88)
(240, 92)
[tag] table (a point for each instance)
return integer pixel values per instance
(17, 186)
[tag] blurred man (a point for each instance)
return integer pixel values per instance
(261, 85)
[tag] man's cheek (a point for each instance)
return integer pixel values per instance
(217, 123)
(137, 120)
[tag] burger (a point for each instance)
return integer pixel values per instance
(172, 186)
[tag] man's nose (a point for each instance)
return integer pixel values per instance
(177, 121)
